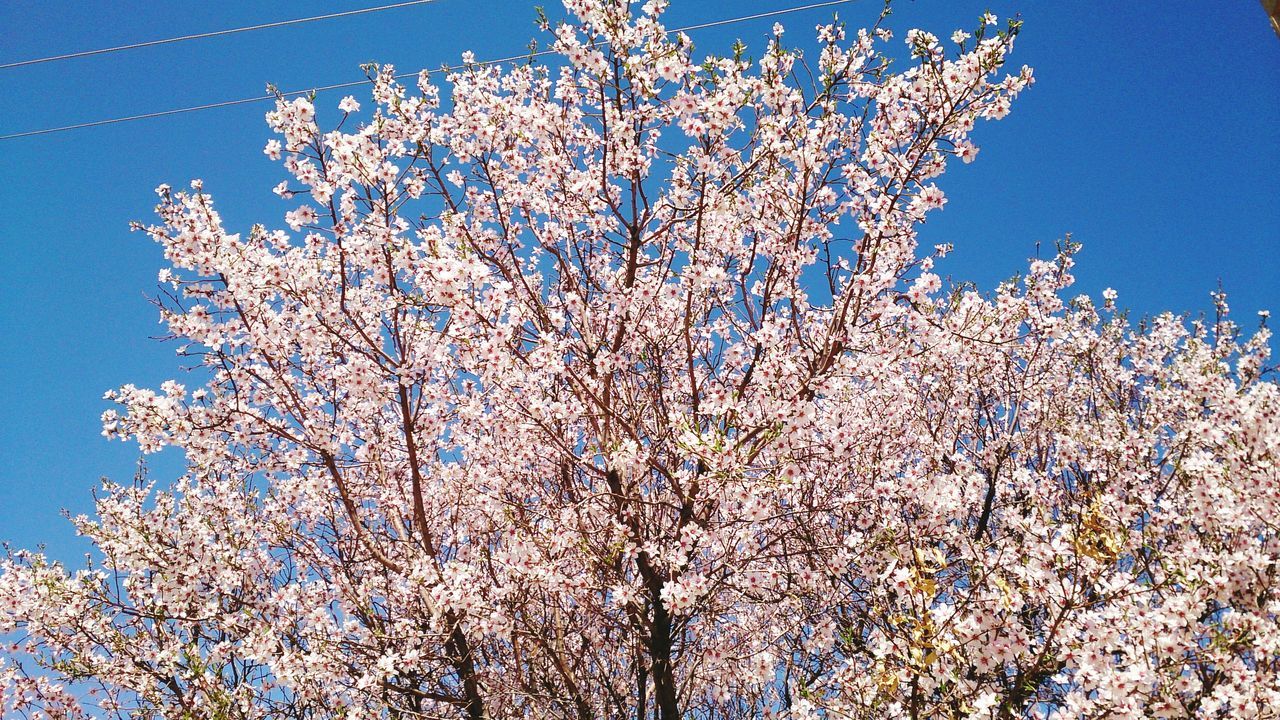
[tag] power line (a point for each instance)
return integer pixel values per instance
(401, 76)
(215, 33)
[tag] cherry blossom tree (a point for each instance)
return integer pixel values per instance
(618, 387)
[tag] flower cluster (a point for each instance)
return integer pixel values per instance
(619, 387)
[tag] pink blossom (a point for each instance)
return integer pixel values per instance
(583, 395)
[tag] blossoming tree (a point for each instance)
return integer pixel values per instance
(619, 388)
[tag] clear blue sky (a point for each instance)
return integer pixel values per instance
(1152, 135)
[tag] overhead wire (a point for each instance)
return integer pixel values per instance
(214, 33)
(401, 76)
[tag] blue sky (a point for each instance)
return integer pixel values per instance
(1150, 136)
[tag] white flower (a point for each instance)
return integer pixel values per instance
(304, 215)
(985, 701)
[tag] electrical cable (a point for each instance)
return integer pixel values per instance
(336, 86)
(215, 33)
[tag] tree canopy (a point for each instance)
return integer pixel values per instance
(618, 387)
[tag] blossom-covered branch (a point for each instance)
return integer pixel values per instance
(619, 387)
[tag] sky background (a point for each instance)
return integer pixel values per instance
(1150, 136)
